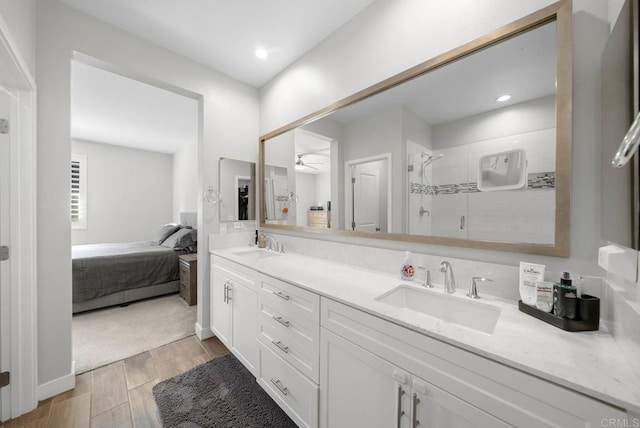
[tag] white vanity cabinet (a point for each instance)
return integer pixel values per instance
(361, 389)
(331, 365)
(234, 309)
(371, 368)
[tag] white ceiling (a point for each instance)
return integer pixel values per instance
(224, 34)
(523, 66)
(109, 108)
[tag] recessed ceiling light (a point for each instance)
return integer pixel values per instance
(503, 98)
(262, 53)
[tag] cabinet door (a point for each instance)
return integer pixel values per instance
(433, 407)
(244, 321)
(220, 307)
(359, 389)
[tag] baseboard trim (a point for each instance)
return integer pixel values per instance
(59, 385)
(203, 333)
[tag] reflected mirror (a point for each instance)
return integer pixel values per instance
(237, 190)
(471, 148)
(502, 171)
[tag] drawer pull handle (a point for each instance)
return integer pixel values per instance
(415, 421)
(281, 295)
(400, 411)
(227, 291)
(282, 321)
(280, 346)
(282, 388)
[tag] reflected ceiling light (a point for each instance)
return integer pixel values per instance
(503, 98)
(262, 53)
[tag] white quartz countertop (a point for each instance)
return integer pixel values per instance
(588, 362)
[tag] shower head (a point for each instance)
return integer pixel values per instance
(429, 159)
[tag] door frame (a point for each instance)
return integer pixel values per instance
(237, 194)
(19, 341)
(347, 185)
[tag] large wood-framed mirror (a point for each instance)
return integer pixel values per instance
(434, 155)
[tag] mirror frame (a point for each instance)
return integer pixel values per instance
(562, 13)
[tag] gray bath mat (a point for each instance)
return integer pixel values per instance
(220, 393)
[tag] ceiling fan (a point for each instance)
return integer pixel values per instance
(301, 163)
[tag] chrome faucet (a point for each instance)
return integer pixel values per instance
(449, 281)
(427, 278)
(473, 291)
(272, 243)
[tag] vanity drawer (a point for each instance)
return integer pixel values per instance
(293, 392)
(290, 350)
(235, 272)
(291, 301)
(301, 329)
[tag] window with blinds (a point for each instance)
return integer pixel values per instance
(78, 192)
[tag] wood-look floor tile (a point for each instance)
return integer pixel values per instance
(119, 417)
(170, 368)
(189, 347)
(144, 410)
(139, 369)
(73, 412)
(109, 388)
(38, 423)
(214, 347)
(34, 418)
(83, 385)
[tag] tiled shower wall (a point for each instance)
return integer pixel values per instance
(457, 209)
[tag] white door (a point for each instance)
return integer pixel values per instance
(360, 389)
(244, 324)
(5, 295)
(366, 198)
(434, 407)
(220, 307)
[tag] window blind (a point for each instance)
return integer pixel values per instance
(78, 192)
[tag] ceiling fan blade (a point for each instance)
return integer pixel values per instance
(309, 166)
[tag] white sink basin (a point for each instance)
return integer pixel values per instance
(256, 254)
(437, 304)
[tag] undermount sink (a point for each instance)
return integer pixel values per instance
(256, 254)
(471, 314)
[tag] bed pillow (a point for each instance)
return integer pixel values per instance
(166, 231)
(180, 240)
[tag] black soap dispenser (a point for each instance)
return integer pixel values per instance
(565, 298)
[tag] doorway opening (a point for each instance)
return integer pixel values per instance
(134, 175)
(368, 194)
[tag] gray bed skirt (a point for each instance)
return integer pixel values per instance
(127, 296)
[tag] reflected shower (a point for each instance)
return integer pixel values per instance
(427, 159)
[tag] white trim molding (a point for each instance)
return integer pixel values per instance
(203, 333)
(59, 385)
(20, 340)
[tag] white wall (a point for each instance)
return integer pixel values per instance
(306, 191)
(185, 180)
(391, 36)
(20, 17)
(374, 135)
(228, 118)
(516, 119)
(129, 193)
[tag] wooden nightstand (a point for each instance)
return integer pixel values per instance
(319, 219)
(189, 277)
